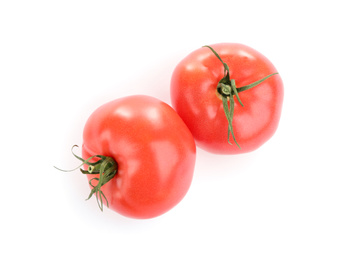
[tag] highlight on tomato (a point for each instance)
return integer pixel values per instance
(138, 155)
(229, 95)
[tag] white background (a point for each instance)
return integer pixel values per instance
(60, 60)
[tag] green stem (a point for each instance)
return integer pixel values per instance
(106, 167)
(227, 89)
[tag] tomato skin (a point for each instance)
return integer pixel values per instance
(194, 97)
(154, 149)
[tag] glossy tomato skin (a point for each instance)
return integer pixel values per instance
(154, 149)
(194, 96)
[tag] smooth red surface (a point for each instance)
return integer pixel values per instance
(194, 97)
(154, 149)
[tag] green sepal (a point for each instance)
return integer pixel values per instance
(106, 167)
(224, 86)
(241, 89)
(235, 91)
(229, 116)
(226, 68)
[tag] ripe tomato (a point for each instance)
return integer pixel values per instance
(154, 155)
(197, 96)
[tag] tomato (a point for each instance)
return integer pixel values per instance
(197, 96)
(151, 156)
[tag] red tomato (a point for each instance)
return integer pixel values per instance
(154, 150)
(195, 97)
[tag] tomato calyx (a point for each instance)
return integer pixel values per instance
(226, 90)
(106, 167)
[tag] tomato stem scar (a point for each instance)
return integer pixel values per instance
(227, 89)
(106, 167)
